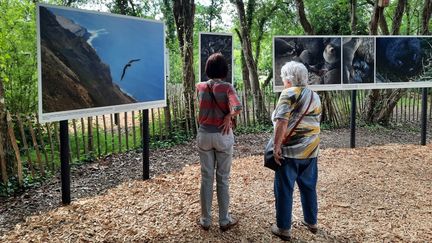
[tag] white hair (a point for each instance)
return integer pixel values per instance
(295, 72)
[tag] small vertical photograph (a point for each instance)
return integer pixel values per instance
(358, 60)
(403, 59)
(213, 43)
(320, 55)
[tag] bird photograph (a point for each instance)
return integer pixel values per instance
(128, 65)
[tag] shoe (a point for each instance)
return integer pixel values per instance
(283, 234)
(228, 226)
(204, 227)
(311, 227)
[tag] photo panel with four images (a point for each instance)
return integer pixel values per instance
(356, 62)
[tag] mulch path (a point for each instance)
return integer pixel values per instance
(377, 193)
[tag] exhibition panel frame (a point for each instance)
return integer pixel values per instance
(365, 62)
(92, 63)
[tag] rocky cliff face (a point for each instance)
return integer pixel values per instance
(73, 76)
(68, 24)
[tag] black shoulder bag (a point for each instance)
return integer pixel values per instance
(233, 119)
(269, 160)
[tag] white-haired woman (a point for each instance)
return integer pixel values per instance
(296, 150)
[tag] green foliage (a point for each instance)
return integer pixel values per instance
(18, 55)
(255, 128)
(329, 17)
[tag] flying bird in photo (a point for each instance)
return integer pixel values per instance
(128, 65)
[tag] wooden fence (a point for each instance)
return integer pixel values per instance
(34, 147)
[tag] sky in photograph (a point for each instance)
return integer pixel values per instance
(117, 40)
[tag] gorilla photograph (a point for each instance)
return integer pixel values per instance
(403, 59)
(321, 56)
(212, 43)
(358, 60)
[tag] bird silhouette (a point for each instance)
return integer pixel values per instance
(128, 65)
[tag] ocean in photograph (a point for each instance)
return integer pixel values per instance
(132, 49)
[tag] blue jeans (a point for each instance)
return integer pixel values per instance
(305, 172)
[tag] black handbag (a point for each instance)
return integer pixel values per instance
(269, 160)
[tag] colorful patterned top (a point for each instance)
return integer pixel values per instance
(210, 116)
(304, 141)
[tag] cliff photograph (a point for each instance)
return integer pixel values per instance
(90, 60)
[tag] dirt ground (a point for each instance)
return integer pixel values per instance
(369, 194)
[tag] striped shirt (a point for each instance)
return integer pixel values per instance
(210, 116)
(304, 141)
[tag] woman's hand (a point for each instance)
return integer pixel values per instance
(226, 125)
(277, 152)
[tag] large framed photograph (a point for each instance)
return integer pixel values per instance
(93, 63)
(210, 43)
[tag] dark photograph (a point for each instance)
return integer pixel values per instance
(212, 43)
(403, 59)
(358, 60)
(320, 55)
(91, 60)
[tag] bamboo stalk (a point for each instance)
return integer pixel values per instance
(51, 146)
(105, 134)
(112, 133)
(36, 147)
(90, 133)
(42, 142)
(76, 139)
(3, 167)
(98, 137)
(152, 122)
(160, 125)
(119, 133)
(126, 130)
(84, 136)
(26, 147)
(134, 129)
(15, 148)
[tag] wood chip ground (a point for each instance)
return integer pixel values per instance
(375, 194)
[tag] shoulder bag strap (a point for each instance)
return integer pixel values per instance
(214, 98)
(299, 120)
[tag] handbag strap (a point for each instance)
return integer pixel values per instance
(214, 98)
(298, 121)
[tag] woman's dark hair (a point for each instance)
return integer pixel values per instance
(216, 66)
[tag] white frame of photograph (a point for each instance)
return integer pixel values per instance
(95, 111)
(232, 53)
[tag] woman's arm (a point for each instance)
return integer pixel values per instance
(279, 135)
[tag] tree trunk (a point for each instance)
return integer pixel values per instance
(245, 73)
(3, 135)
(408, 18)
(383, 22)
(426, 16)
(303, 20)
(261, 24)
(383, 117)
(397, 19)
(371, 103)
(259, 107)
(184, 12)
(353, 16)
(373, 28)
